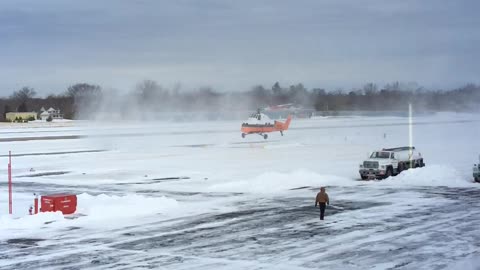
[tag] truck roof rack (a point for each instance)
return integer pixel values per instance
(403, 148)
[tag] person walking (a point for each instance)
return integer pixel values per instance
(322, 200)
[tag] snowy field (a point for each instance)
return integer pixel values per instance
(198, 196)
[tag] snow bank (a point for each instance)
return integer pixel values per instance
(107, 208)
(29, 221)
(275, 182)
(11, 227)
(93, 211)
(433, 175)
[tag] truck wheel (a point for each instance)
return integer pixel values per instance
(400, 168)
(389, 172)
(265, 136)
(364, 177)
(243, 135)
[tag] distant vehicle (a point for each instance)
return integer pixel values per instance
(476, 172)
(390, 161)
(261, 124)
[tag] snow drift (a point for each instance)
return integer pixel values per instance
(11, 227)
(433, 175)
(29, 222)
(107, 208)
(92, 211)
(277, 182)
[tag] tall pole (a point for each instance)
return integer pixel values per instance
(410, 133)
(10, 182)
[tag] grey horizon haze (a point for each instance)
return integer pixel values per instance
(234, 45)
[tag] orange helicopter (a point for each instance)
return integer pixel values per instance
(261, 124)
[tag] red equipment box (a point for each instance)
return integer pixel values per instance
(65, 203)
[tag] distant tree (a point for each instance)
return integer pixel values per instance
(207, 99)
(85, 98)
(279, 94)
(83, 90)
(82, 99)
(319, 91)
(352, 99)
(395, 86)
(276, 89)
(148, 90)
(320, 102)
(370, 89)
(259, 91)
(22, 96)
(260, 96)
(298, 94)
(22, 107)
(152, 95)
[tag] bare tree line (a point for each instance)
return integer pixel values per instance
(83, 100)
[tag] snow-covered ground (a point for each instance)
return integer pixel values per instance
(197, 195)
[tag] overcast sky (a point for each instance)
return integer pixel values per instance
(233, 45)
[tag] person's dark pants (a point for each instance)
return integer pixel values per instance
(322, 210)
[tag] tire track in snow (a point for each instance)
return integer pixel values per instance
(267, 232)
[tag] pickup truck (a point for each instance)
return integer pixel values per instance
(388, 162)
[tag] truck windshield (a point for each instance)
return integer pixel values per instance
(380, 155)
